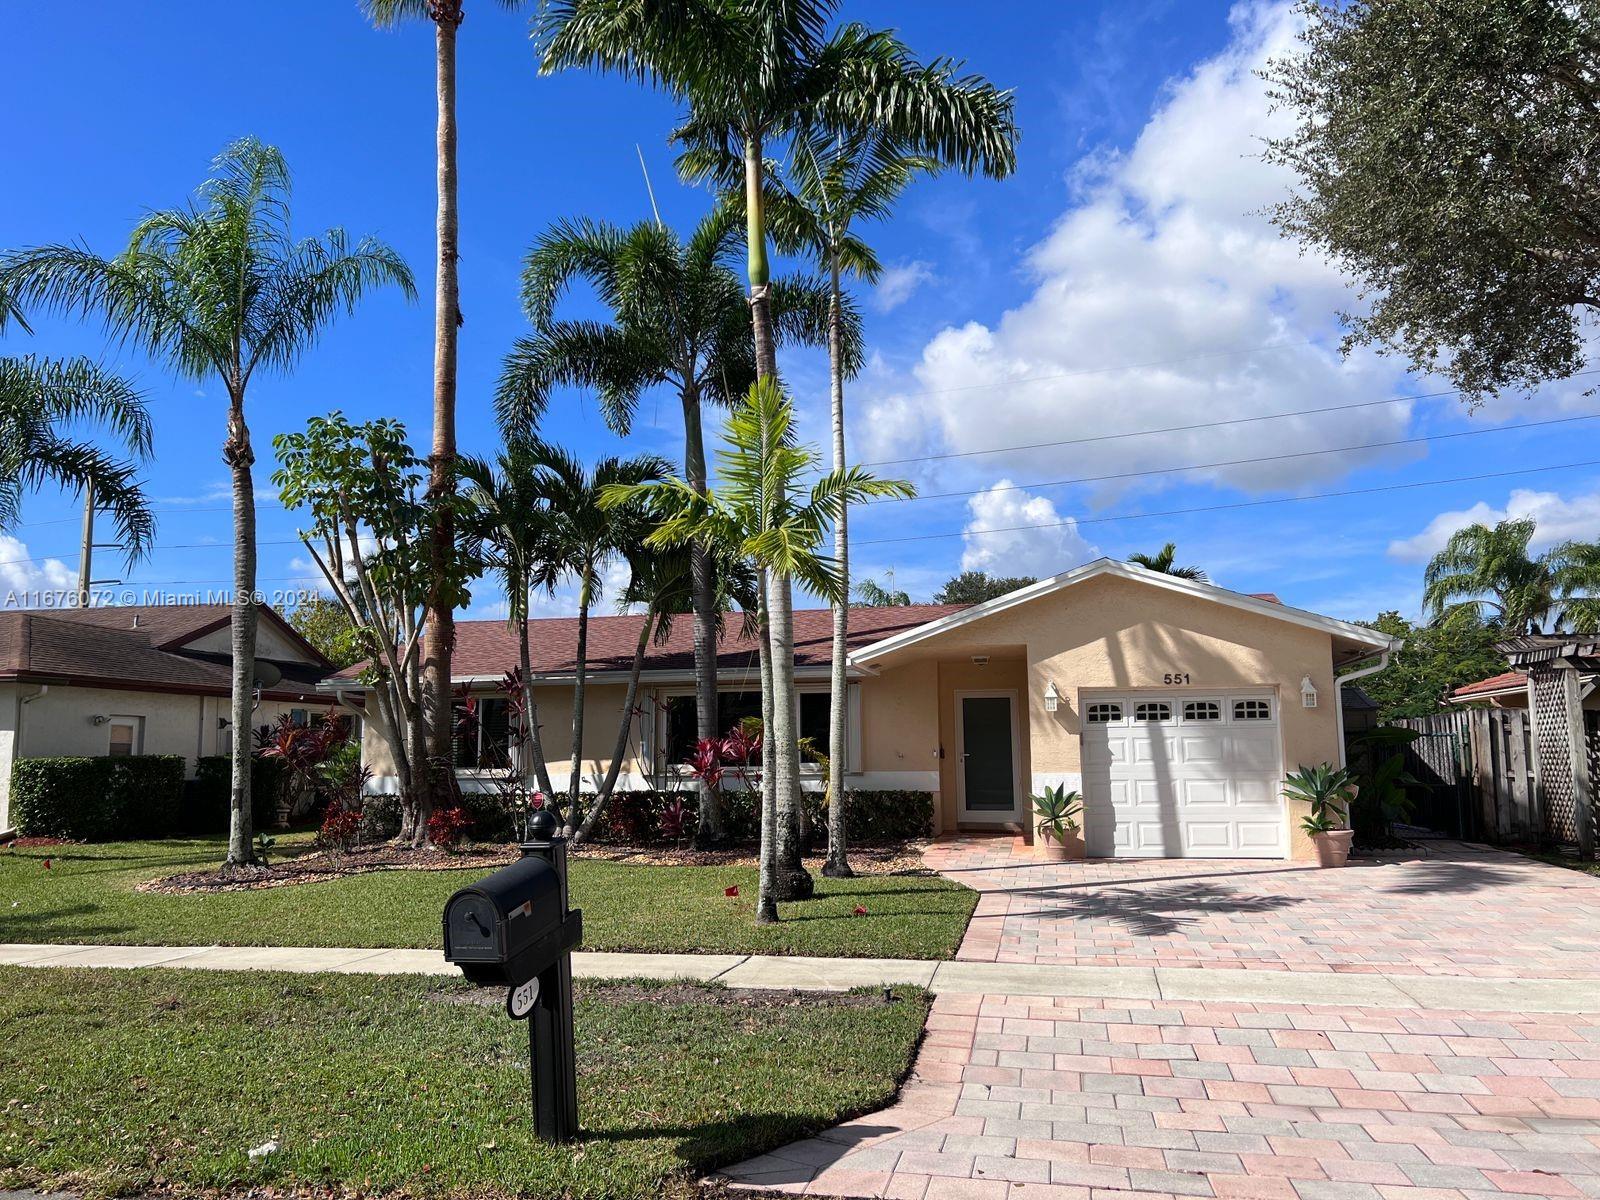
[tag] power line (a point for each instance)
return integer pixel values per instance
(1229, 421)
(1238, 462)
(1206, 508)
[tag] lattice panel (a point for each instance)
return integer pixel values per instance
(1553, 733)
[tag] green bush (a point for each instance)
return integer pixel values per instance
(208, 797)
(872, 818)
(97, 799)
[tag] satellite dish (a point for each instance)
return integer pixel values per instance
(267, 674)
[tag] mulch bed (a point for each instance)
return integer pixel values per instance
(315, 866)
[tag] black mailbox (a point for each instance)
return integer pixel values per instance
(514, 929)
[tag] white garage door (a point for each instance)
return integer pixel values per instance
(1176, 775)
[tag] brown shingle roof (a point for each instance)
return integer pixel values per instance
(486, 649)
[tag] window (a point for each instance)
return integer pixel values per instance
(1102, 713)
(1202, 710)
(482, 734)
(300, 717)
(1252, 710)
(126, 734)
(732, 708)
(816, 710)
(1152, 710)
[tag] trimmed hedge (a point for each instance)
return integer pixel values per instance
(208, 797)
(97, 799)
(872, 818)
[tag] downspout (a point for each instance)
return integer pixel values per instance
(1350, 676)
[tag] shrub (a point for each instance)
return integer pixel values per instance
(872, 818)
(207, 799)
(380, 818)
(340, 831)
(489, 814)
(447, 826)
(97, 799)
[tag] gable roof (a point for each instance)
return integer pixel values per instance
(486, 650)
(1506, 682)
(1263, 604)
(138, 647)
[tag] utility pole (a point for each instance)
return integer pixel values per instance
(86, 578)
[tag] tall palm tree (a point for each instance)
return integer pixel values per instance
(582, 537)
(447, 16)
(759, 509)
(38, 398)
(508, 531)
(1489, 572)
(1164, 562)
(219, 289)
(679, 319)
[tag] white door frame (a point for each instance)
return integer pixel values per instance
(989, 816)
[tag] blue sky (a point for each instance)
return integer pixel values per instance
(1123, 281)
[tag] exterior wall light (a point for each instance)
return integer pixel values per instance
(1308, 693)
(1051, 697)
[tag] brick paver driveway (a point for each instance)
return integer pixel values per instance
(1042, 1098)
(1461, 910)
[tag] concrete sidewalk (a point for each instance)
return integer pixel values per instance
(1373, 990)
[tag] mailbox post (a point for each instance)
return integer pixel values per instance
(514, 929)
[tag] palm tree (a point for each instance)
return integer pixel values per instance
(446, 16)
(1162, 563)
(507, 532)
(219, 289)
(37, 398)
(1483, 571)
(754, 510)
(678, 318)
(581, 537)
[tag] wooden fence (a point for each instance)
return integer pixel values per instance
(1477, 767)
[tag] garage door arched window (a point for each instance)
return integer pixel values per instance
(1202, 710)
(1103, 713)
(1252, 710)
(1152, 710)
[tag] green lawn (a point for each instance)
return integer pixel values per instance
(87, 896)
(134, 1081)
(1557, 859)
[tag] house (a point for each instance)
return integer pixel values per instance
(139, 679)
(1510, 690)
(1175, 707)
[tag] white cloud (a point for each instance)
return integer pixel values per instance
(1154, 295)
(1020, 551)
(899, 282)
(22, 578)
(1559, 519)
(217, 489)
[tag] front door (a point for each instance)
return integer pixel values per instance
(986, 771)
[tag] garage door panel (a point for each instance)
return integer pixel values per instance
(1203, 783)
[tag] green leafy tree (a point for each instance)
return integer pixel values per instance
(1437, 658)
(1164, 561)
(759, 510)
(679, 319)
(219, 290)
(974, 587)
(1444, 150)
(324, 622)
(39, 400)
(872, 594)
(1489, 573)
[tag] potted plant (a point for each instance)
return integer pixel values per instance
(1329, 791)
(1057, 810)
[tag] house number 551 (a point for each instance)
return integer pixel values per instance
(1175, 679)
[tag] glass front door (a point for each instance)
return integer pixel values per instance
(988, 765)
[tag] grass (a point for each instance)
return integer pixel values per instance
(140, 1081)
(87, 895)
(1557, 859)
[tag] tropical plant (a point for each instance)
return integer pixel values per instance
(872, 594)
(323, 622)
(1057, 810)
(1434, 659)
(975, 587)
(757, 509)
(1164, 562)
(447, 16)
(39, 400)
(678, 319)
(219, 289)
(1489, 572)
(1329, 790)
(1379, 768)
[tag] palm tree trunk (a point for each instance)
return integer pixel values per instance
(756, 240)
(610, 782)
(578, 683)
(708, 830)
(767, 878)
(793, 883)
(239, 457)
(530, 712)
(440, 636)
(838, 864)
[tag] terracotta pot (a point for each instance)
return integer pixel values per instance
(1046, 848)
(1333, 848)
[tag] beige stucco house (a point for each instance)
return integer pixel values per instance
(1174, 707)
(138, 679)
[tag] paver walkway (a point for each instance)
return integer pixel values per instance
(1457, 910)
(1221, 1093)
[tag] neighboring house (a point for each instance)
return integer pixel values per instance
(1510, 690)
(145, 679)
(1174, 706)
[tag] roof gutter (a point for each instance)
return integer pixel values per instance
(1350, 677)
